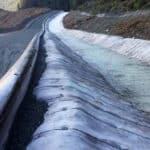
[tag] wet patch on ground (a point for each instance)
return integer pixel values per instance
(31, 112)
(84, 109)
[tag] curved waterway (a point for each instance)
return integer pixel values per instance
(89, 90)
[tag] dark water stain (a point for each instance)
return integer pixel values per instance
(31, 112)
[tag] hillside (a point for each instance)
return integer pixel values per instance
(128, 18)
(14, 5)
(98, 6)
(10, 21)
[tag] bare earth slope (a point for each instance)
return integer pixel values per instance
(134, 24)
(10, 21)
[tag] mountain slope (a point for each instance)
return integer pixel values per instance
(97, 6)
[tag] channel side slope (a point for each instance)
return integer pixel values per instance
(12, 44)
(84, 110)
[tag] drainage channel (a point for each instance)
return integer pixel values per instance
(31, 112)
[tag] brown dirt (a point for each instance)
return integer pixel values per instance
(134, 25)
(10, 21)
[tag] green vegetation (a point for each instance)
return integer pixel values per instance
(61, 4)
(54, 4)
(97, 6)
(92, 6)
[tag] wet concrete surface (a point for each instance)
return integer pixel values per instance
(31, 111)
(83, 111)
(13, 44)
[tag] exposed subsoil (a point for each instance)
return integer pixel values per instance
(135, 24)
(11, 21)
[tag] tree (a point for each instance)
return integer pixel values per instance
(61, 4)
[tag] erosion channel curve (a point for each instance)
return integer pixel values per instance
(84, 112)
